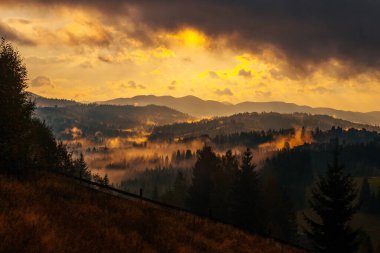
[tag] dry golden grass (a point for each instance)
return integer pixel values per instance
(54, 214)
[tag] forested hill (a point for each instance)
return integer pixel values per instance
(245, 122)
(107, 119)
(67, 217)
(209, 108)
(50, 102)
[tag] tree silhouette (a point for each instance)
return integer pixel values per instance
(26, 143)
(247, 196)
(203, 183)
(226, 185)
(81, 168)
(333, 200)
(15, 113)
(106, 181)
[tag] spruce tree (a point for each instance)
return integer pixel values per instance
(203, 182)
(246, 209)
(333, 200)
(106, 181)
(230, 171)
(81, 168)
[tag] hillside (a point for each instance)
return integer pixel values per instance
(109, 120)
(246, 122)
(53, 214)
(208, 108)
(50, 102)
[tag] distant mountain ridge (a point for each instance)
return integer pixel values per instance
(197, 107)
(110, 120)
(207, 108)
(246, 122)
(50, 102)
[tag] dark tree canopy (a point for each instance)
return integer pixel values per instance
(26, 143)
(333, 200)
(203, 183)
(247, 195)
(16, 109)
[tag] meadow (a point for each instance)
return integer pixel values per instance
(54, 214)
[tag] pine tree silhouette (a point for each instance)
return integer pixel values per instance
(333, 200)
(247, 191)
(15, 113)
(203, 183)
(81, 168)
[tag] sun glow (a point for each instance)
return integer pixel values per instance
(191, 38)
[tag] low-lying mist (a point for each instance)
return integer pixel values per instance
(123, 158)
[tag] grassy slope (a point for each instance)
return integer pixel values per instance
(367, 222)
(56, 215)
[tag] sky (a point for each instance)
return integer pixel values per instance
(317, 53)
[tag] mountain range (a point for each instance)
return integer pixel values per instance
(197, 107)
(110, 120)
(208, 108)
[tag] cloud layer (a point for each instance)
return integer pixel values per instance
(317, 52)
(306, 33)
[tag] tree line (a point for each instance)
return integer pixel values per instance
(27, 145)
(230, 189)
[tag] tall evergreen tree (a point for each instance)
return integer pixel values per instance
(81, 168)
(106, 181)
(203, 182)
(15, 113)
(230, 171)
(26, 143)
(333, 200)
(246, 208)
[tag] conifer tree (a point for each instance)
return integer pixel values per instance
(81, 168)
(230, 171)
(333, 200)
(15, 113)
(106, 181)
(26, 143)
(203, 183)
(247, 191)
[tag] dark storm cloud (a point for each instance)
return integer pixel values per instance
(306, 32)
